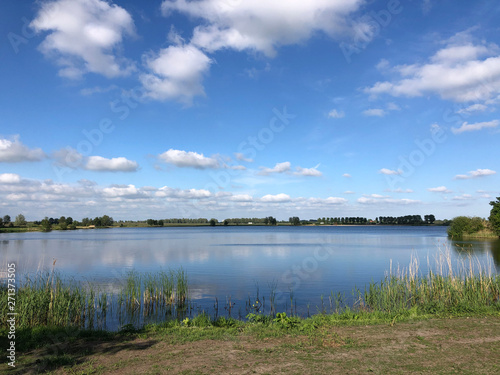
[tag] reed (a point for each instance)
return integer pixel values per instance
(46, 299)
(466, 286)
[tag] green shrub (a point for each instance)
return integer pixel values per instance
(465, 225)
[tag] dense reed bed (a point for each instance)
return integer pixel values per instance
(464, 287)
(46, 299)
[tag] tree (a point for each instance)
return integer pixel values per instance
(63, 223)
(161, 222)
(495, 216)
(1, 222)
(465, 225)
(6, 219)
(226, 223)
(294, 220)
(20, 221)
(213, 222)
(46, 225)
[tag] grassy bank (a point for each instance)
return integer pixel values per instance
(482, 234)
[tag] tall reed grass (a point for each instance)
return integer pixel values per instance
(448, 287)
(46, 299)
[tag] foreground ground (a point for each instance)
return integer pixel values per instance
(436, 346)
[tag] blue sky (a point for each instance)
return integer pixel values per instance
(234, 108)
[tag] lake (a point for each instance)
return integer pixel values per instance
(234, 262)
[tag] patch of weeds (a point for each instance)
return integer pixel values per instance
(285, 322)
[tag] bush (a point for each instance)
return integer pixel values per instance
(465, 225)
(495, 216)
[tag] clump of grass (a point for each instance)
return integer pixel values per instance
(46, 299)
(462, 288)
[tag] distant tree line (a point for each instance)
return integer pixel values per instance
(407, 220)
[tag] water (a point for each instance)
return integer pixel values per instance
(234, 262)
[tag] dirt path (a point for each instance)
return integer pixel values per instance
(452, 346)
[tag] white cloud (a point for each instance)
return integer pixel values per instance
(473, 108)
(346, 175)
(9, 178)
(168, 192)
(474, 127)
(377, 112)
(176, 73)
(278, 168)
(183, 159)
(440, 189)
(393, 107)
(120, 164)
(13, 151)
(241, 198)
(313, 172)
(83, 35)
(335, 200)
(463, 197)
(475, 174)
(241, 157)
(386, 200)
(262, 25)
(383, 64)
(275, 198)
(390, 171)
(68, 157)
(129, 191)
(336, 114)
(461, 71)
(349, 192)
(399, 190)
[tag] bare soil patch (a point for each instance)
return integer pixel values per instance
(438, 346)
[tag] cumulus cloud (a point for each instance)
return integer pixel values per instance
(188, 159)
(475, 127)
(70, 158)
(463, 197)
(376, 112)
(168, 192)
(390, 171)
(475, 174)
(120, 164)
(399, 190)
(312, 172)
(336, 114)
(374, 199)
(83, 36)
(128, 191)
(261, 25)
(440, 189)
(176, 72)
(278, 168)
(241, 198)
(462, 71)
(473, 108)
(9, 178)
(275, 198)
(241, 157)
(13, 151)
(255, 26)
(346, 175)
